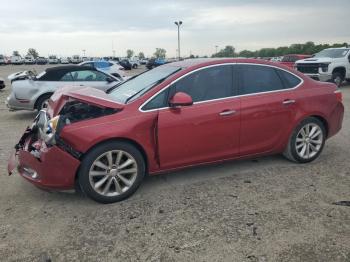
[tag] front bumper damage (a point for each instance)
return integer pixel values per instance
(49, 167)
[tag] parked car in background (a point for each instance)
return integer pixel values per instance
(64, 60)
(41, 60)
(135, 62)
(53, 59)
(109, 67)
(29, 60)
(159, 120)
(34, 92)
(125, 63)
(2, 60)
(143, 61)
(289, 60)
(76, 59)
(7, 60)
(329, 65)
(154, 62)
(17, 60)
(2, 83)
(276, 59)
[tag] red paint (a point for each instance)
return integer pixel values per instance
(182, 136)
(289, 60)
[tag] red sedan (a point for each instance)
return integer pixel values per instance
(289, 60)
(174, 116)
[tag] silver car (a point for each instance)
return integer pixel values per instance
(32, 92)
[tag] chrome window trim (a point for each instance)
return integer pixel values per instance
(223, 98)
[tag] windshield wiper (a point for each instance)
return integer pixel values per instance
(130, 97)
(146, 88)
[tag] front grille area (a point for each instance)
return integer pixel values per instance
(308, 68)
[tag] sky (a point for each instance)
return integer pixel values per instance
(67, 27)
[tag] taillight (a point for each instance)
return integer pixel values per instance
(338, 95)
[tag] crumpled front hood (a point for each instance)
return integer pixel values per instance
(313, 60)
(21, 75)
(89, 95)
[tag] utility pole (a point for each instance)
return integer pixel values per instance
(216, 49)
(178, 24)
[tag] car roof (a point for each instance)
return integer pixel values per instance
(198, 62)
(68, 68)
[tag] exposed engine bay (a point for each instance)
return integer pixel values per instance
(45, 131)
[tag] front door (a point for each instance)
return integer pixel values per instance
(209, 129)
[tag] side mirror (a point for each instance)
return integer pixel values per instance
(110, 80)
(180, 99)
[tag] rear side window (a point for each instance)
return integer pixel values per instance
(257, 79)
(290, 80)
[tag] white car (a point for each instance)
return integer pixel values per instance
(29, 60)
(53, 59)
(329, 65)
(2, 60)
(32, 92)
(110, 67)
(16, 60)
(135, 62)
(76, 59)
(64, 60)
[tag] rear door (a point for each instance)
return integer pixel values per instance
(267, 108)
(209, 129)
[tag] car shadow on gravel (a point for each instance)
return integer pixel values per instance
(23, 115)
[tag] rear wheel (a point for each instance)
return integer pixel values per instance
(111, 172)
(307, 141)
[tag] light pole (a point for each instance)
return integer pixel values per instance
(84, 52)
(178, 24)
(216, 49)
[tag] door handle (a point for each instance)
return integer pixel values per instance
(227, 112)
(288, 101)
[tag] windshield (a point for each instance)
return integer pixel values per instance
(136, 86)
(332, 53)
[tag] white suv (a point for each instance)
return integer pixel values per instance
(53, 59)
(29, 60)
(329, 65)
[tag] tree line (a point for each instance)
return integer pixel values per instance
(307, 48)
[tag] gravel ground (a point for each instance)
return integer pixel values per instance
(266, 209)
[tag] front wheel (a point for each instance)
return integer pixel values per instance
(111, 172)
(307, 141)
(337, 78)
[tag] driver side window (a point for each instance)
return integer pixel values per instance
(208, 84)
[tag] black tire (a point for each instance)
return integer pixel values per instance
(337, 78)
(291, 150)
(94, 154)
(134, 66)
(41, 101)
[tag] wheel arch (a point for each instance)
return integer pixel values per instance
(39, 97)
(340, 69)
(121, 139)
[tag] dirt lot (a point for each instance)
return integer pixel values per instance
(267, 209)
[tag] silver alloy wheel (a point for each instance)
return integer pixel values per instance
(338, 80)
(113, 173)
(309, 141)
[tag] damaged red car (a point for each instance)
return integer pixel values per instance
(174, 116)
